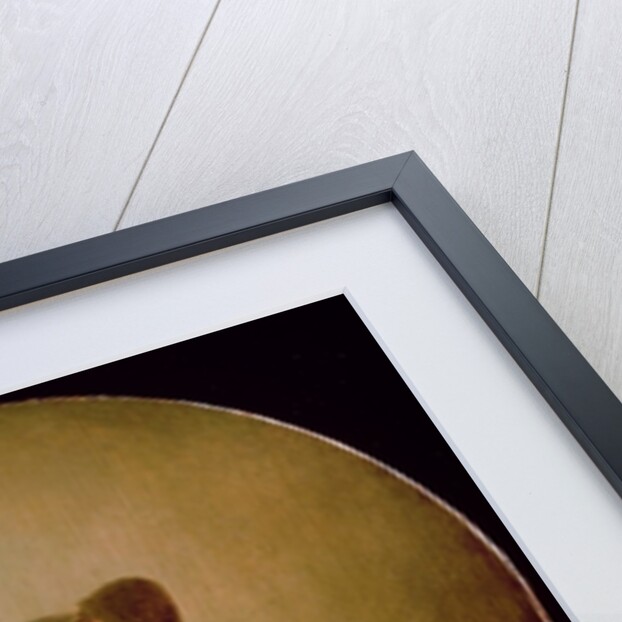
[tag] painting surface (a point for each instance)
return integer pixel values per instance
(313, 511)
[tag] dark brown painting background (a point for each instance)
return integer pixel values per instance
(316, 367)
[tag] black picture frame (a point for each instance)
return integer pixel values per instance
(572, 388)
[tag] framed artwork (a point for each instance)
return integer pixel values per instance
(171, 379)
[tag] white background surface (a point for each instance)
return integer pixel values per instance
(114, 113)
(546, 489)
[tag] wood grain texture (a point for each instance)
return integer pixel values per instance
(582, 275)
(282, 92)
(84, 87)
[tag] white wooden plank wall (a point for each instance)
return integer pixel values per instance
(107, 119)
(84, 87)
(281, 91)
(582, 277)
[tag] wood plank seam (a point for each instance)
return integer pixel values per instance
(210, 19)
(547, 217)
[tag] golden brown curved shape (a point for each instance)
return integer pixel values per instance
(241, 518)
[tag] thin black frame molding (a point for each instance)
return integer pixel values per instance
(572, 388)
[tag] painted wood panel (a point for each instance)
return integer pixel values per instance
(279, 92)
(582, 275)
(84, 87)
